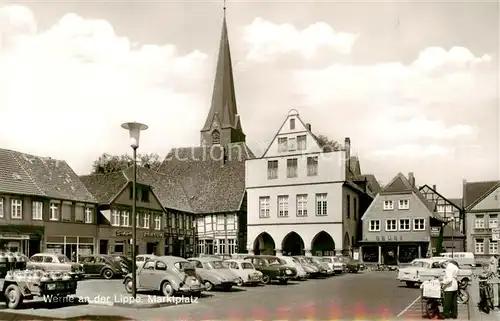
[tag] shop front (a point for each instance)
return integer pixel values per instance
(23, 239)
(118, 241)
(70, 239)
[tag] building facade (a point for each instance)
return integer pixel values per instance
(212, 175)
(162, 227)
(44, 207)
(482, 208)
(397, 225)
(299, 201)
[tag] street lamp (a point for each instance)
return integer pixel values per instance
(135, 132)
(452, 220)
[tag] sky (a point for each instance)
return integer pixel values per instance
(413, 84)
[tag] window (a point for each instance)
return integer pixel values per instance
(493, 247)
(157, 222)
(1, 207)
(312, 166)
(388, 205)
(493, 221)
(161, 266)
(292, 124)
(292, 144)
(419, 224)
(221, 222)
(231, 246)
(302, 205)
(404, 204)
(54, 212)
(222, 246)
(404, 224)
(283, 205)
(264, 206)
(66, 212)
(302, 142)
(272, 169)
(479, 221)
(348, 204)
(215, 137)
(145, 195)
(115, 218)
(291, 167)
(479, 246)
(79, 213)
(391, 225)
(16, 209)
(208, 223)
(321, 204)
(282, 144)
(231, 221)
(138, 217)
(374, 226)
(37, 210)
(125, 219)
(146, 218)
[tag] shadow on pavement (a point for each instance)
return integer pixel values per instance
(9, 316)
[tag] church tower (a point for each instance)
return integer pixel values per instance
(223, 125)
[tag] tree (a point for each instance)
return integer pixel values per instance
(328, 144)
(107, 163)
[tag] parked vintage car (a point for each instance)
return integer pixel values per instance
(311, 269)
(290, 261)
(170, 275)
(214, 256)
(239, 256)
(421, 270)
(57, 263)
(214, 273)
(246, 271)
(334, 263)
(141, 258)
(102, 265)
(351, 265)
(324, 265)
(321, 266)
(272, 268)
(124, 261)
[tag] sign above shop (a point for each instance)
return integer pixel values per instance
(123, 233)
(435, 231)
(143, 234)
(155, 234)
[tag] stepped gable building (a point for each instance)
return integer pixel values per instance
(163, 214)
(482, 208)
(44, 207)
(212, 175)
(303, 197)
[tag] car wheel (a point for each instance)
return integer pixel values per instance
(208, 286)
(240, 282)
(167, 289)
(13, 296)
(128, 285)
(108, 274)
(463, 296)
(266, 279)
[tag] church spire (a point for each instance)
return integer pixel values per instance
(222, 125)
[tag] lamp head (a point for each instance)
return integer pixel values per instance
(135, 132)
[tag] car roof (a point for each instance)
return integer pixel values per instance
(205, 259)
(238, 261)
(262, 256)
(170, 259)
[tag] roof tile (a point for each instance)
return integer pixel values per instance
(476, 190)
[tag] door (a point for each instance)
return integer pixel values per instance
(88, 265)
(147, 276)
(100, 263)
(103, 247)
(33, 247)
(70, 252)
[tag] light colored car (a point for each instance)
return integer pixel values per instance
(319, 260)
(312, 270)
(170, 275)
(421, 270)
(290, 261)
(57, 263)
(246, 271)
(334, 264)
(141, 258)
(214, 273)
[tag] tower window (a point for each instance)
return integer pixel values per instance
(292, 124)
(215, 137)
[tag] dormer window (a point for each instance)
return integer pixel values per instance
(388, 205)
(292, 124)
(215, 137)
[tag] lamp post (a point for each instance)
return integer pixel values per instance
(452, 221)
(135, 132)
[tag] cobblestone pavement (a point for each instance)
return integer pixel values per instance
(364, 296)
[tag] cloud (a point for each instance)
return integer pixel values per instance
(76, 81)
(267, 40)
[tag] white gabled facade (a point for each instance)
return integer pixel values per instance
(295, 196)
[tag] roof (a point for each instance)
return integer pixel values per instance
(27, 174)
(434, 201)
(211, 184)
(449, 232)
(106, 187)
(456, 201)
(223, 98)
(474, 192)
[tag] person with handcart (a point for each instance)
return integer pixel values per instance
(446, 291)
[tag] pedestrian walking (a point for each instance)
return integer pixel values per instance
(450, 287)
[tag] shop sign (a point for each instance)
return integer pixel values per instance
(14, 236)
(154, 234)
(435, 231)
(390, 238)
(123, 233)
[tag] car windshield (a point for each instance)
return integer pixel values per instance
(327, 260)
(183, 265)
(63, 259)
(307, 260)
(274, 261)
(216, 265)
(246, 266)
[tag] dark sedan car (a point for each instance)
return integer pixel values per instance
(101, 265)
(272, 268)
(352, 266)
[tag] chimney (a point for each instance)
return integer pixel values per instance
(308, 126)
(434, 188)
(347, 146)
(411, 178)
